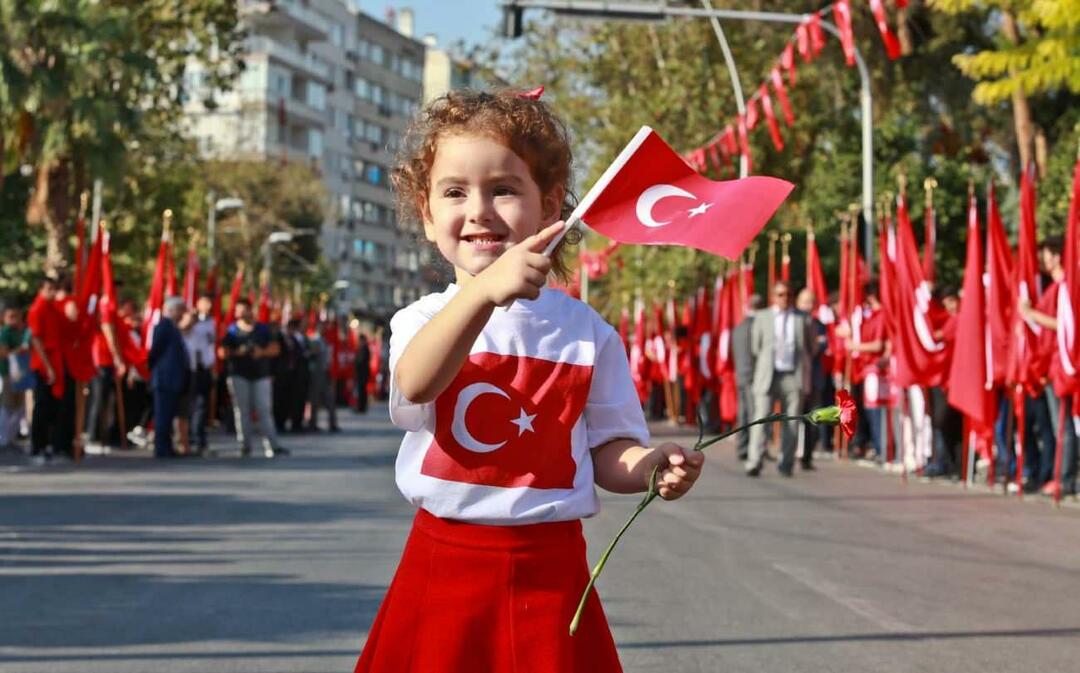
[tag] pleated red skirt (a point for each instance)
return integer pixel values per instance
(471, 598)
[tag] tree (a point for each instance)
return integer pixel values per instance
(1038, 53)
(84, 82)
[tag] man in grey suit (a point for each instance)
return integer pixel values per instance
(780, 343)
(744, 373)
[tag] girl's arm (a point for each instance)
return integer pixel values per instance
(621, 466)
(435, 355)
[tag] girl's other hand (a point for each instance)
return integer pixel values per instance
(521, 271)
(680, 469)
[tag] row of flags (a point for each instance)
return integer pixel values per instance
(1002, 350)
(807, 41)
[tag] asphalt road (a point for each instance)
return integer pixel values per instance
(126, 564)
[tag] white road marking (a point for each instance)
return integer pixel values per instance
(839, 594)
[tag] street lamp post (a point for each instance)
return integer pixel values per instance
(660, 11)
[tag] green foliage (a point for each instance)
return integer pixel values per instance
(1046, 57)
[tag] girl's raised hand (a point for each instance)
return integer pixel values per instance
(521, 271)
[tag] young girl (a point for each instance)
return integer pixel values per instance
(516, 400)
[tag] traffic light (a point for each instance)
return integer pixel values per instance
(512, 21)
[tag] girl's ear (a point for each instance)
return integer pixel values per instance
(552, 204)
(424, 209)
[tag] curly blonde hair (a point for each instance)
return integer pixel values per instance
(526, 126)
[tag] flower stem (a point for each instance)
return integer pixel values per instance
(651, 495)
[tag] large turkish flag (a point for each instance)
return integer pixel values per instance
(506, 421)
(649, 195)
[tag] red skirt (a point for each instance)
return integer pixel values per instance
(472, 598)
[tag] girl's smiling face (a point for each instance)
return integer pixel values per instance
(481, 201)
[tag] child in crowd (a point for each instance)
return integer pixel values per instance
(516, 400)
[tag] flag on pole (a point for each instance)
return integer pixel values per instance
(929, 240)
(970, 375)
(1068, 304)
(649, 195)
(815, 280)
(999, 296)
(156, 299)
(921, 357)
(1024, 361)
(131, 352)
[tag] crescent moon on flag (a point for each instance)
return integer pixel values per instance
(647, 201)
(458, 429)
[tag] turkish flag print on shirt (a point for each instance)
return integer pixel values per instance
(649, 195)
(505, 421)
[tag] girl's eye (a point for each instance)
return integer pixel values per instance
(454, 193)
(503, 190)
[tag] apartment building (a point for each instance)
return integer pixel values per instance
(329, 85)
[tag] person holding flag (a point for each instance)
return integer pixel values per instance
(1048, 360)
(487, 175)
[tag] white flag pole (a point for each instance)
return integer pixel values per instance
(601, 184)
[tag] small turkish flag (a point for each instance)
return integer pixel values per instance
(506, 421)
(649, 195)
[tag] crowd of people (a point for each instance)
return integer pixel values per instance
(165, 381)
(792, 356)
(264, 379)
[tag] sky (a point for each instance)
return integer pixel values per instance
(450, 20)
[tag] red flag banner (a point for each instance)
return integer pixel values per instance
(999, 299)
(782, 97)
(815, 279)
(744, 144)
(892, 45)
(770, 118)
(842, 16)
(752, 114)
(802, 42)
(970, 388)
(787, 61)
(650, 196)
(1068, 303)
(156, 299)
(1024, 364)
(929, 241)
(921, 357)
(816, 33)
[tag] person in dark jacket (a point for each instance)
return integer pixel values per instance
(744, 373)
(169, 375)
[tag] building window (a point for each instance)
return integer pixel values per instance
(337, 35)
(376, 94)
(377, 54)
(315, 143)
(279, 83)
(374, 133)
(316, 95)
(362, 88)
(374, 174)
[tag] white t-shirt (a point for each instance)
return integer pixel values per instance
(508, 441)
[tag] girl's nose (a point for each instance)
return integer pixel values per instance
(479, 208)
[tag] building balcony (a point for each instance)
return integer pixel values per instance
(294, 15)
(306, 64)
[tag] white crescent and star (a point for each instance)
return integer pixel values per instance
(651, 196)
(460, 431)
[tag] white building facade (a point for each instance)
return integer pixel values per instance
(335, 88)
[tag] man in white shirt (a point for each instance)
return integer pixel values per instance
(780, 343)
(200, 339)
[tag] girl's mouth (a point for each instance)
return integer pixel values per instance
(484, 242)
